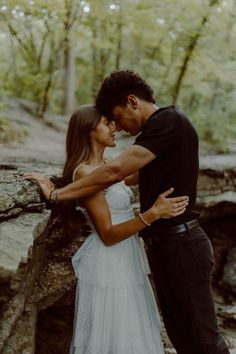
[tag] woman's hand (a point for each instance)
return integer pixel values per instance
(44, 182)
(169, 207)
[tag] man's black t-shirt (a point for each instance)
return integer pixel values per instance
(169, 134)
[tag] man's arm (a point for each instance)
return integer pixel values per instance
(128, 162)
(132, 180)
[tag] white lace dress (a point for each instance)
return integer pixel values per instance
(115, 310)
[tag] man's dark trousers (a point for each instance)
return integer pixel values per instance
(181, 265)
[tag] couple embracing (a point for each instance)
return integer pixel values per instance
(115, 310)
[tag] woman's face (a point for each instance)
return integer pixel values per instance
(104, 133)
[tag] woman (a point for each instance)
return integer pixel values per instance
(115, 310)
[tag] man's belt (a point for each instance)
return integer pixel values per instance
(180, 228)
(161, 234)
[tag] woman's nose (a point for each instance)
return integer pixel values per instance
(118, 127)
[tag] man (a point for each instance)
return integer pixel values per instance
(166, 155)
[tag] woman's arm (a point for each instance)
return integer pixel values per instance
(98, 210)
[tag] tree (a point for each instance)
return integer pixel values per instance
(62, 49)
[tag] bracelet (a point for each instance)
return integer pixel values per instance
(51, 199)
(142, 219)
(50, 195)
(56, 197)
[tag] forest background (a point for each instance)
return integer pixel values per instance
(57, 52)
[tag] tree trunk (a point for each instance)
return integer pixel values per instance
(188, 54)
(119, 44)
(14, 67)
(44, 105)
(68, 103)
(69, 80)
(95, 63)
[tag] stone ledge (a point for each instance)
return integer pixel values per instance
(17, 238)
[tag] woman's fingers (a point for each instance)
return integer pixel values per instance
(179, 212)
(180, 205)
(168, 192)
(176, 209)
(179, 199)
(174, 199)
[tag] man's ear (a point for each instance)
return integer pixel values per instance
(132, 100)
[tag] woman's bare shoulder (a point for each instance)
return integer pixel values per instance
(83, 170)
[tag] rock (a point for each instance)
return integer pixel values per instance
(227, 320)
(229, 313)
(35, 261)
(229, 275)
(16, 195)
(216, 193)
(17, 238)
(36, 276)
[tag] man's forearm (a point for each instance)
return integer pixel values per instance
(96, 181)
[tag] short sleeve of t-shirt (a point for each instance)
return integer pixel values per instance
(161, 132)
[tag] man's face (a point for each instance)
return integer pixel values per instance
(126, 118)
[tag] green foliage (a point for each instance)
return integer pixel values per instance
(184, 49)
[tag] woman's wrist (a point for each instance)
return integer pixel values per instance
(145, 222)
(149, 216)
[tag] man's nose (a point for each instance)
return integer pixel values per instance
(112, 126)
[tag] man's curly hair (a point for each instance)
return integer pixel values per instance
(117, 87)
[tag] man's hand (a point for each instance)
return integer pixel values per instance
(167, 208)
(44, 182)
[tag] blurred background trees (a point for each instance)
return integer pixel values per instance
(57, 52)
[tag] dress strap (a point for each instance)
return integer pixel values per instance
(73, 176)
(76, 169)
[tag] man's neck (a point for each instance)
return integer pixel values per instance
(147, 110)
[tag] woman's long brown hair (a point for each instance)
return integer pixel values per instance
(78, 147)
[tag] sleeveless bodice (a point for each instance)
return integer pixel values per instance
(119, 198)
(128, 254)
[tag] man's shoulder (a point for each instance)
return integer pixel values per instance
(166, 119)
(165, 116)
(173, 114)
(171, 110)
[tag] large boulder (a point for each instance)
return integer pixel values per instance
(35, 261)
(229, 274)
(36, 246)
